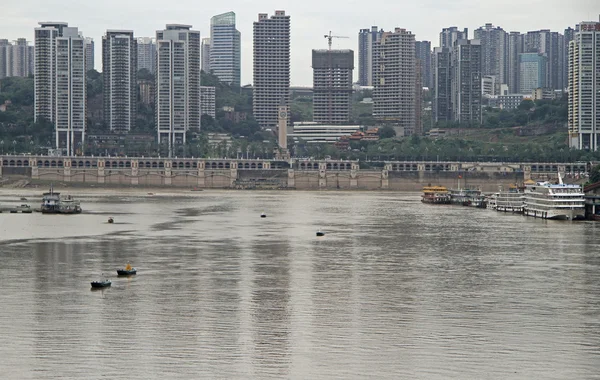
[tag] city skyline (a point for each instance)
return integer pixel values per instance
(307, 28)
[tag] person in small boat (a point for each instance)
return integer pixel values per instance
(128, 267)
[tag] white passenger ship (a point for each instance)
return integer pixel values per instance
(554, 201)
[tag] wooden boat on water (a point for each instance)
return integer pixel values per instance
(128, 271)
(320, 233)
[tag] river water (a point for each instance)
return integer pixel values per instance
(396, 289)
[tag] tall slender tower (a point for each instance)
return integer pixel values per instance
(423, 55)
(584, 87)
(119, 68)
(177, 83)
(271, 67)
(205, 47)
(89, 54)
(71, 102)
(494, 48)
(45, 69)
(395, 80)
(442, 79)
(367, 38)
(466, 81)
(332, 86)
(225, 49)
(146, 54)
(515, 48)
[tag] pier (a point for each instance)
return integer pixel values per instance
(301, 174)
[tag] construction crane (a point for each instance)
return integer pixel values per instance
(330, 37)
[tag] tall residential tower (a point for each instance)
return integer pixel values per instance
(367, 38)
(584, 87)
(119, 70)
(271, 67)
(177, 84)
(395, 80)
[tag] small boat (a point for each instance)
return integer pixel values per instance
(104, 283)
(128, 271)
(111, 220)
(263, 215)
(320, 233)
(23, 198)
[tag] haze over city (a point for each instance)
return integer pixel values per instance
(310, 20)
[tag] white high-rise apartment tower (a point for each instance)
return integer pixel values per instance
(177, 83)
(60, 86)
(584, 87)
(119, 70)
(395, 79)
(271, 67)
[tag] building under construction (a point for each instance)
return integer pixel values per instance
(332, 86)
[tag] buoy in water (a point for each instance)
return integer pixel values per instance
(111, 220)
(320, 233)
(263, 215)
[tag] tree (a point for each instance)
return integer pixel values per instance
(595, 174)
(387, 132)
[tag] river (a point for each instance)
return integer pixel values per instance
(395, 289)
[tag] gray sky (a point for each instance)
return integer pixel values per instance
(310, 20)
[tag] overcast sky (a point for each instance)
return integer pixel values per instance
(310, 20)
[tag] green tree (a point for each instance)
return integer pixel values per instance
(386, 132)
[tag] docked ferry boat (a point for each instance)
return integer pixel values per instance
(52, 203)
(435, 194)
(468, 197)
(554, 201)
(511, 200)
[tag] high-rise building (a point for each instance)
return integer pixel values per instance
(89, 54)
(568, 36)
(119, 70)
(225, 49)
(466, 81)
(15, 58)
(448, 36)
(584, 87)
(4, 57)
(367, 38)
(20, 58)
(423, 55)
(177, 84)
(208, 101)
(442, 80)
(70, 96)
(395, 80)
(533, 72)
(146, 54)
(271, 67)
(205, 47)
(494, 48)
(551, 44)
(332, 86)
(515, 48)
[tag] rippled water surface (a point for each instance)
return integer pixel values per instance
(396, 289)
